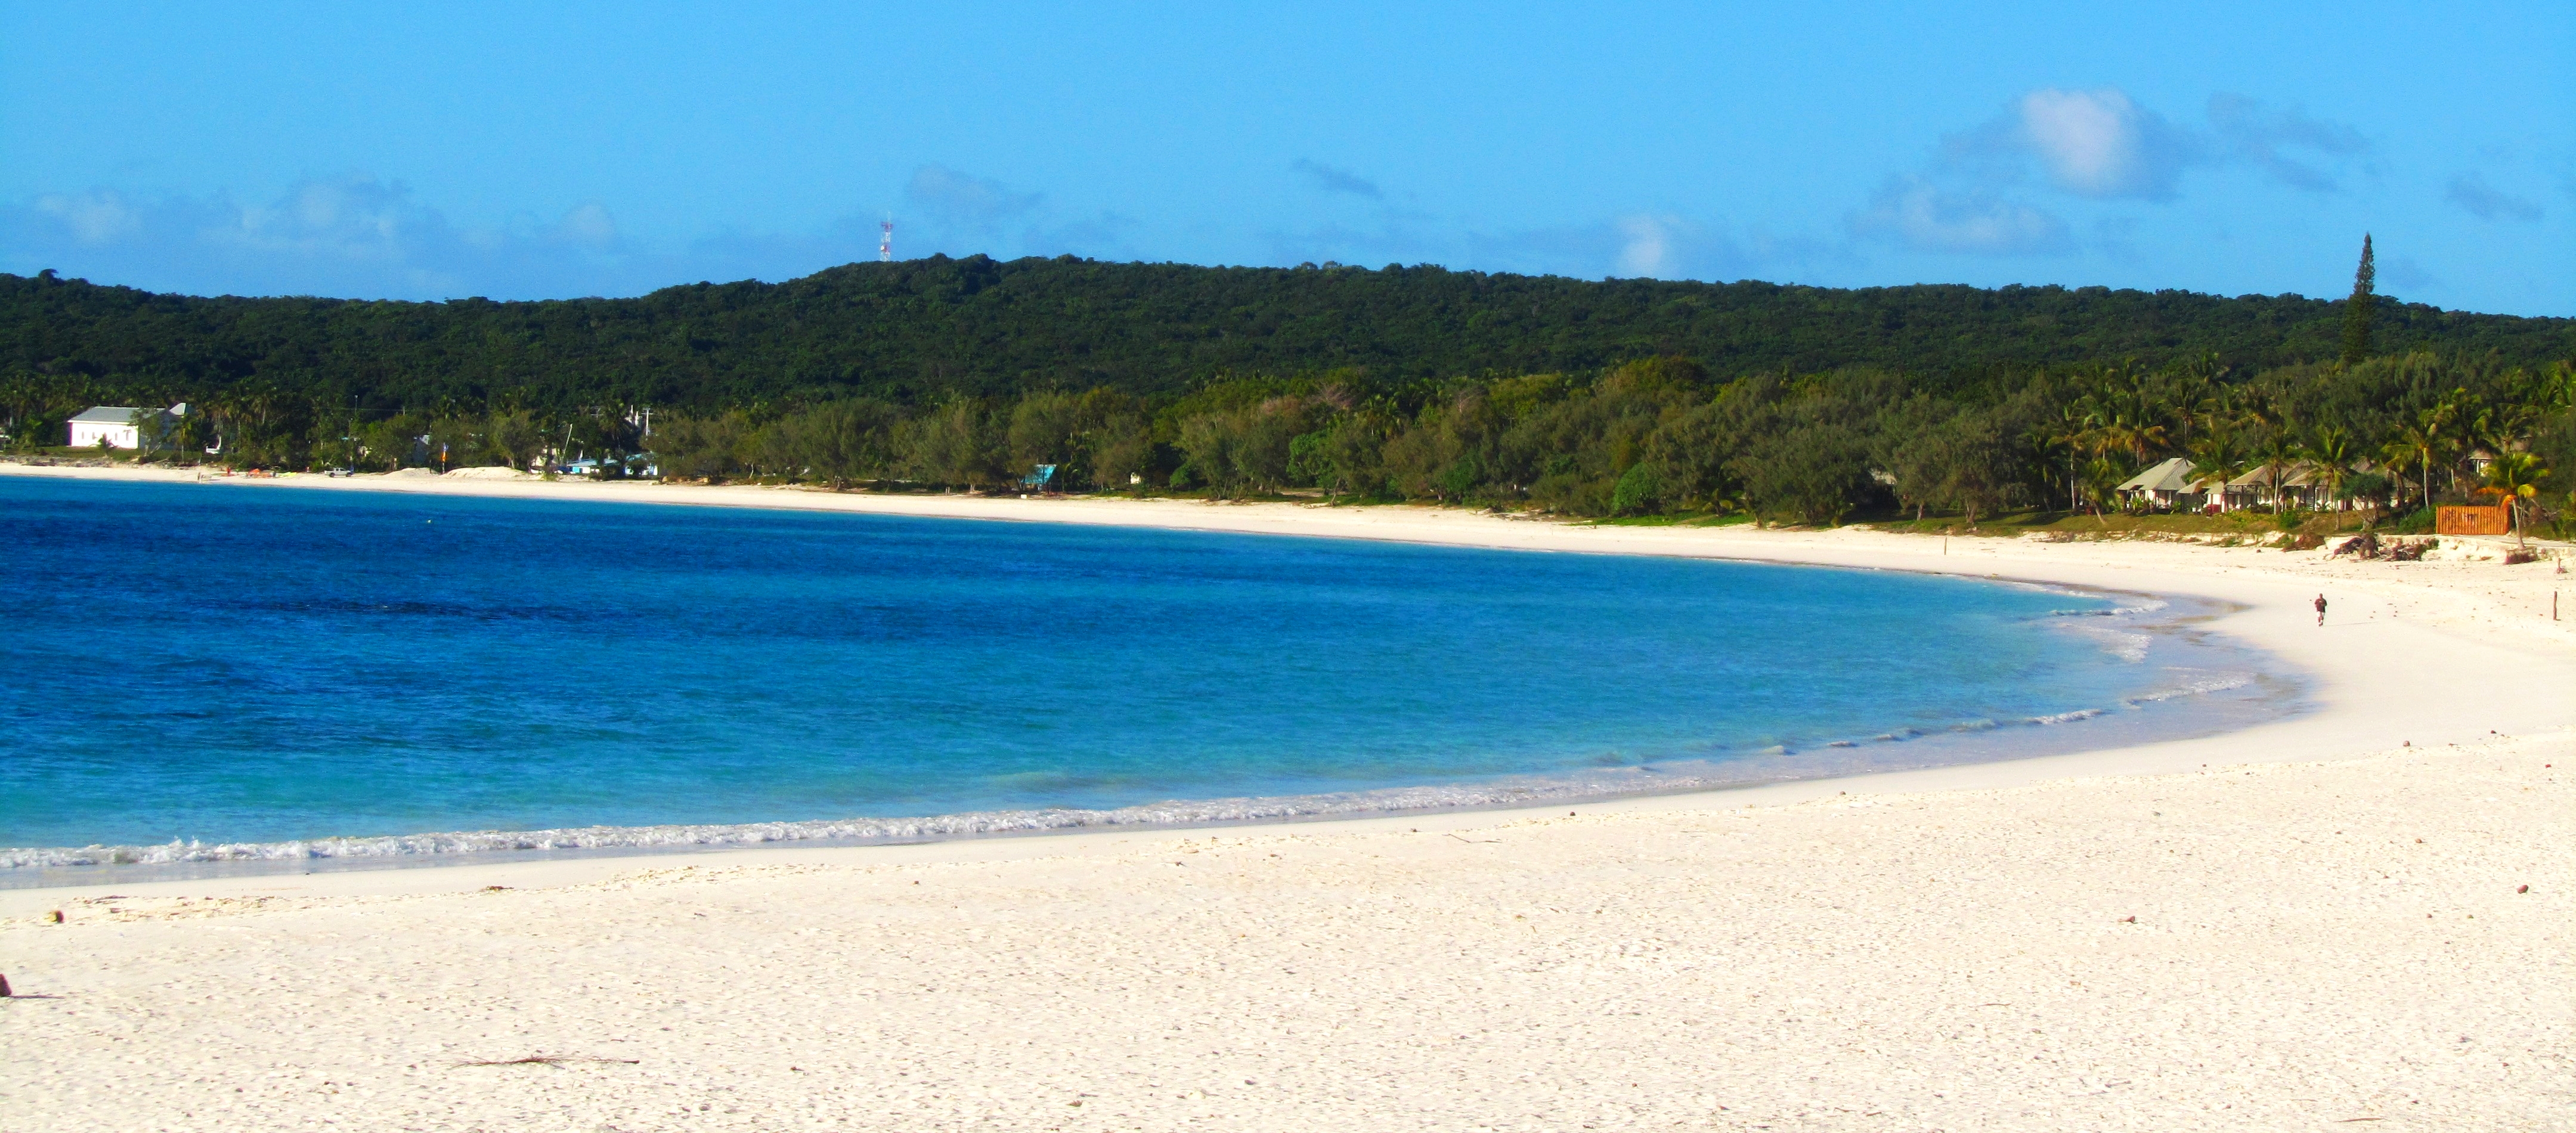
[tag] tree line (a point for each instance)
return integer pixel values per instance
(1613, 398)
(1651, 436)
(1661, 435)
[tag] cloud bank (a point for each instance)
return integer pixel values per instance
(1976, 196)
(363, 237)
(2096, 143)
(354, 236)
(1917, 214)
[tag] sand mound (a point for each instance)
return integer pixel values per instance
(412, 474)
(489, 473)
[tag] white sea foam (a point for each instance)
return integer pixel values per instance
(2129, 646)
(2115, 638)
(1176, 813)
(1768, 764)
(2215, 682)
(2148, 607)
(2126, 644)
(2142, 603)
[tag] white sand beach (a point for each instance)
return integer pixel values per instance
(2358, 914)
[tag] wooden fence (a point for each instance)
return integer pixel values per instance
(2466, 520)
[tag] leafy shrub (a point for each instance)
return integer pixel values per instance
(2416, 522)
(1640, 490)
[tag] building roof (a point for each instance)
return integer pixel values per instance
(2297, 474)
(108, 414)
(2170, 475)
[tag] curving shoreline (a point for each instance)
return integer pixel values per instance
(2392, 662)
(2360, 912)
(1969, 741)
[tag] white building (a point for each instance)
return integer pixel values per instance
(115, 424)
(2168, 484)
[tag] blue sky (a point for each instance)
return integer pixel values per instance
(545, 150)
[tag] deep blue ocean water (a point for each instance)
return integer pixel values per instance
(237, 667)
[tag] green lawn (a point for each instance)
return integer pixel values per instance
(2238, 524)
(1669, 520)
(67, 452)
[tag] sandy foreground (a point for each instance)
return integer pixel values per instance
(2361, 914)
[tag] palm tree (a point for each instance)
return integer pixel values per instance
(2514, 477)
(2129, 430)
(2277, 448)
(2332, 451)
(2215, 457)
(2071, 433)
(2414, 447)
(2099, 478)
(2128, 414)
(2189, 389)
(2440, 426)
(2398, 457)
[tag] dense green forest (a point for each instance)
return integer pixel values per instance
(1622, 396)
(922, 330)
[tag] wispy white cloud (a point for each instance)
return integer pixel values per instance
(2102, 144)
(1331, 180)
(589, 225)
(963, 200)
(2406, 274)
(360, 236)
(2092, 143)
(355, 235)
(97, 217)
(1982, 191)
(2098, 143)
(2471, 194)
(1658, 245)
(1924, 217)
(1648, 246)
(2249, 131)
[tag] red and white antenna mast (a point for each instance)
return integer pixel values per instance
(885, 247)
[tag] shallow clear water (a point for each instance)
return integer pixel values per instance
(252, 667)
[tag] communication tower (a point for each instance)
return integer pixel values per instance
(885, 246)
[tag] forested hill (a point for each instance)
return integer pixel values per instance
(916, 330)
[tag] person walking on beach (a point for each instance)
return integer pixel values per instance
(2321, 609)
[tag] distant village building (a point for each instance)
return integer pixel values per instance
(115, 425)
(2298, 487)
(2166, 485)
(112, 425)
(2171, 486)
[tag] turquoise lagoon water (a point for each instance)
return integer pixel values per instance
(209, 673)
